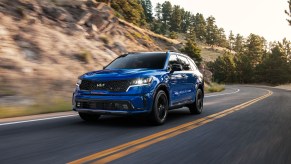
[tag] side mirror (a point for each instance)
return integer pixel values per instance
(176, 67)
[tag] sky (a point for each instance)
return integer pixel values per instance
(262, 17)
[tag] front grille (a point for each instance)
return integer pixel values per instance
(104, 105)
(113, 86)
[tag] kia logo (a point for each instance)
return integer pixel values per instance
(100, 85)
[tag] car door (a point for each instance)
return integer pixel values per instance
(176, 81)
(188, 80)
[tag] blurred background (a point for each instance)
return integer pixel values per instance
(46, 45)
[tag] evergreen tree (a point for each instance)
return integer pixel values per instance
(186, 23)
(238, 43)
(176, 19)
(132, 11)
(211, 31)
(192, 50)
(274, 68)
(158, 10)
(231, 41)
(147, 7)
(223, 68)
(221, 38)
(255, 48)
(166, 16)
(199, 24)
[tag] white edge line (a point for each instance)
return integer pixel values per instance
(34, 120)
(50, 118)
(223, 94)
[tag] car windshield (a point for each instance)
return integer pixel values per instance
(140, 60)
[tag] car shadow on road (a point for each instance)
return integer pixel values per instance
(138, 121)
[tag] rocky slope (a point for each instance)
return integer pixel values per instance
(46, 45)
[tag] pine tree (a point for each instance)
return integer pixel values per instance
(186, 23)
(166, 16)
(147, 7)
(176, 19)
(158, 10)
(199, 24)
(132, 11)
(238, 43)
(231, 41)
(192, 50)
(221, 38)
(211, 31)
(223, 68)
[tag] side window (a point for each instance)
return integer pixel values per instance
(173, 60)
(193, 65)
(184, 62)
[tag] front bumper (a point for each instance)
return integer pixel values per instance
(112, 104)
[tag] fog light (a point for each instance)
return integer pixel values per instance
(78, 104)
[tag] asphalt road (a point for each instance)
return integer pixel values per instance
(259, 132)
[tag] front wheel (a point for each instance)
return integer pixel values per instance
(89, 117)
(197, 106)
(160, 108)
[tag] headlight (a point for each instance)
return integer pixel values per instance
(142, 81)
(79, 82)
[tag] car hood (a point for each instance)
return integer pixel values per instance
(116, 74)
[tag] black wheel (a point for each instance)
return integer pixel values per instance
(197, 106)
(160, 108)
(89, 117)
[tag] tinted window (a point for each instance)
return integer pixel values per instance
(184, 62)
(133, 61)
(173, 60)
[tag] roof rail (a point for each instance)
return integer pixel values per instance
(170, 51)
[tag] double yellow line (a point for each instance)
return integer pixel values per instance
(120, 151)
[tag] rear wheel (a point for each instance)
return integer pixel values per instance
(197, 106)
(160, 108)
(89, 117)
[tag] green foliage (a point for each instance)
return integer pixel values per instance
(85, 56)
(274, 68)
(231, 41)
(132, 11)
(166, 16)
(176, 19)
(214, 87)
(254, 64)
(199, 24)
(173, 35)
(211, 31)
(238, 43)
(192, 50)
(148, 12)
(186, 21)
(223, 68)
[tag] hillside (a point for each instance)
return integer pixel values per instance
(46, 45)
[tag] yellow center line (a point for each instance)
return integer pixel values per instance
(122, 150)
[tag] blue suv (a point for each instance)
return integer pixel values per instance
(150, 83)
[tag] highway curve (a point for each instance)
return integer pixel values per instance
(243, 124)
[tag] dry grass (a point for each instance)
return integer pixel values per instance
(57, 105)
(214, 87)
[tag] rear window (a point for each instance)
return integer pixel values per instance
(140, 60)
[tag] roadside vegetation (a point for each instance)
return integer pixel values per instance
(57, 105)
(214, 87)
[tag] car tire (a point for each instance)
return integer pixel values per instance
(197, 106)
(160, 108)
(89, 117)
